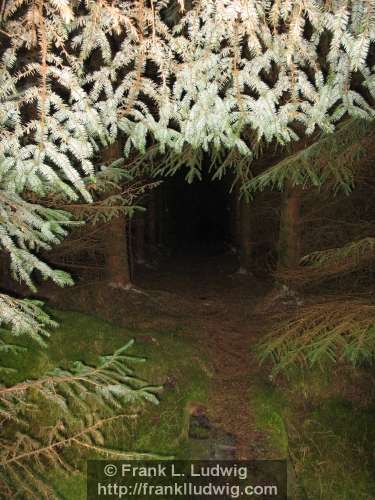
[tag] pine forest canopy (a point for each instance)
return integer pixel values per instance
(100, 95)
(188, 75)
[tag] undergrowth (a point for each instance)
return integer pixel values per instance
(323, 424)
(333, 330)
(144, 430)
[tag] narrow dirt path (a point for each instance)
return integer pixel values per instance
(217, 307)
(204, 298)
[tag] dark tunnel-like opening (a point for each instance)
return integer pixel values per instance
(196, 215)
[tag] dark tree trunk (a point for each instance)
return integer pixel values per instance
(116, 252)
(115, 236)
(290, 228)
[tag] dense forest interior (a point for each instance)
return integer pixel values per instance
(187, 249)
(197, 215)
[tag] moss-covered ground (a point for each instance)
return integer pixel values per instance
(172, 361)
(324, 427)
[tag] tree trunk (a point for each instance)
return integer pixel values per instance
(116, 252)
(115, 236)
(290, 227)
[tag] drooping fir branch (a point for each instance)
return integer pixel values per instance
(116, 189)
(354, 251)
(27, 227)
(323, 265)
(25, 317)
(330, 161)
(111, 382)
(108, 387)
(201, 79)
(335, 330)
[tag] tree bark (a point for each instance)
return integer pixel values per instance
(115, 236)
(290, 228)
(116, 253)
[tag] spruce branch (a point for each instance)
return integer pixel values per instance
(88, 398)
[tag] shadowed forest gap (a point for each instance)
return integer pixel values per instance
(196, 215)
(205, 217)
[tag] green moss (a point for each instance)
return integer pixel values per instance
(334, 451)
(72, 486)
(171, 361)
(327, 438)
(269, 406)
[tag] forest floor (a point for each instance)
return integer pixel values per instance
(199, 322)
(200, 296)
(216, 306)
